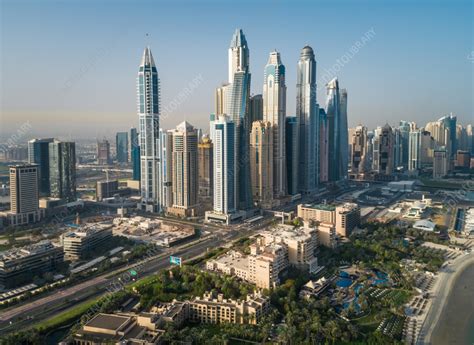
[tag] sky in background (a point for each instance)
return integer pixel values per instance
(69, 67)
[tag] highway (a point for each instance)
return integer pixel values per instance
(19, 316)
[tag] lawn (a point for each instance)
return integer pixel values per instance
(65, 317)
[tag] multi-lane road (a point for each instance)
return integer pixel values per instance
(28, 313)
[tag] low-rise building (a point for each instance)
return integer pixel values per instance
(344, 217)
(83, 240)
(119, 329)
(208, 309)
(21, 265)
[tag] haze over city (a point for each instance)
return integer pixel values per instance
(69, 68)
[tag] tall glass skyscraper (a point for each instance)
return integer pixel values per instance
(38, 153)
(338, 145)
(121, 145)
(291, 142)
(224, 165)
(238, 96)
(307, 114)
(274, 112)
(149, 113)
(62, 170)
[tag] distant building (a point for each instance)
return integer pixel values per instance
(358, 163)
(121, 145)
(81, 242)
(38, 153)
(62, 170)
(463, 159)
(20, 265)
(205, 167)
(261, 163)
(383, 151)
(166, 151)
(106, 189)
(24, 195)
(440, 163)
(103, 152)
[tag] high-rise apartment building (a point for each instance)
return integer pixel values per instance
(358, 162)
(24, 195)
(336, 109)
(205, 167)
(148, 87)
(323, 146)
(103, 152)
(274, 111)
(440, 163)
(307, 114)
(261, 163)
(383, 157)
(121, 146)
(62, 170)
(224, 200)
(184, 170)
(38, 153)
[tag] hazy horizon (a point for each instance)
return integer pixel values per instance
(69, 68)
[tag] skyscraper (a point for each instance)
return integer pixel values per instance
(291, 143)
(62, 170)
(383, 160)
(449, 122)
(307, 114)
(24, 194)
(440, 162)
(166, 160)
(135, 154)
(261, 162)
(121, 145)
(184, 170)
(238, 109)
(414, 150)
(103, 152)
(149, 112)
(344, 136)
(205, 167)
(38, 153)
(405, 127)
(336, 109)
(274, 111)
(358, 162)
(224, 169)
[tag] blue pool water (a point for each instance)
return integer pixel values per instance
(344, 282)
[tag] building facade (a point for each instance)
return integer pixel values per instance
(121, 147)
(62, 170)
(205, 167)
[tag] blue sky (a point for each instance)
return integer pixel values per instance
(69, 67)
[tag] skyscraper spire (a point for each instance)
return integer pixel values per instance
(238, 54)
